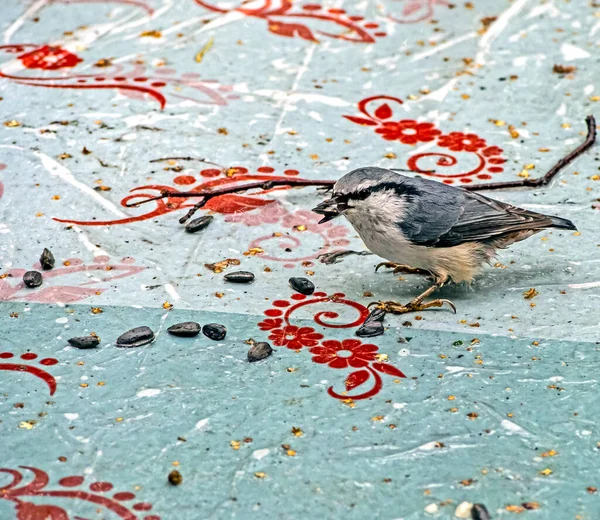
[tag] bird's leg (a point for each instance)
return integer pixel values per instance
(403, 269)
(416, 304)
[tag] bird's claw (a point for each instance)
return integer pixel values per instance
(398, 308)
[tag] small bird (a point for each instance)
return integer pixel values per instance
(426, 227)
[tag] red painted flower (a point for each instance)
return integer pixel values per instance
(491, 151)
(459, 142)
(294, 337)
(408, 131)
(49, 58)
(270, 323)
(349, 352)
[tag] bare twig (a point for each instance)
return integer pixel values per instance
(206, 195)
(543, 181)
(186, 159)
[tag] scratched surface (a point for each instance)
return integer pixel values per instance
(494, 405)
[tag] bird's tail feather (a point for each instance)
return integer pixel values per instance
(562, 223)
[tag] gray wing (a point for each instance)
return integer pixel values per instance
(443, 216)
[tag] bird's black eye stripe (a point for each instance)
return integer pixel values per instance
(400, 189)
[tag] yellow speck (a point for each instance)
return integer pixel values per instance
(549, 453)
(523, 174)
(202, 52)
(292, 132)
(513, 132)
(377, 418)
(390, 155)
(223, 131)
(297, 431)
(254, 251)
(152, 34)
(543, 149)
(499, 122)
(453, 410)
(12, 123)
(531, 293)
(451, 397)
(412, 97)
(465, 96)
(381, 357)
(83, 385)
(595, 98)
(314, 156)
(97, 310)
(235, 445)
(27, 425)
(290, 453)
(119, 419)
(546, 472)
(595, 177)
(219, 294)
(260, 474)
(100, 383)
(167, 305)
(301, 228)
(566, 125)
(577, 233)
(39, 214)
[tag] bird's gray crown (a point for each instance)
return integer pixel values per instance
(363, 181)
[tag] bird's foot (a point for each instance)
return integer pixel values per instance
(412, 306)
(402, 269)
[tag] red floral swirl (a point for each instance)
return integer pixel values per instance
(30, 369)
(37, 488)
(347, 353)
(282, 18)
(377, 112)
(414, 11)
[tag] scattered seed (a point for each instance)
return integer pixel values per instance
(175, 478)
(198, 223)
(47, 259)
(214, 331)
(84, 341)
(259, 351)
(563, 69)
(302, 285)
(187, 329)
(136, 337)
(239, 277)
(480, 512)
(373, 325)
(33, 279)
(219, 267)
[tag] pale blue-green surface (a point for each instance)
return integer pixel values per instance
(499, 402)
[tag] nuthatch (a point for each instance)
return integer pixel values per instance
(427, 227)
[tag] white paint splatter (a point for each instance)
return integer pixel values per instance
(62, 320)
(259, 454)
(571, 52)
(201, 424)
(150, 392)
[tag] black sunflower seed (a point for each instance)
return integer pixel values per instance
(480, 512)
(259, 351)
(84, 341)
(33, 278)
(370, 330)
(302, 285)
(373, 325)
(198, 223)
(47, 259)
(175, 478)
(136, 337)
(187, 329)
(214, 331)
(239, 277)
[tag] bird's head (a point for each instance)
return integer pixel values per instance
(364, 193)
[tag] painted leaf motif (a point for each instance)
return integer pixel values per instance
(388, 369)
(383, 112)
(361, 120)
(292, 29)
(29, 511)
(235, 203)
(356, 379)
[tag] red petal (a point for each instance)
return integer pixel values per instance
(339, 362)
(383, 112)
(321, 351)
(388, 369)
(291, 30)
(333, 344)
(357, 362)
(361, 120)
(321, 359)
(235, 203)
(356, 379)
(364, 349)
(351, 344)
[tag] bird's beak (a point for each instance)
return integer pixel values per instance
(328, 208)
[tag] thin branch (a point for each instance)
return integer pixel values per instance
(206, 195)
(543, 181)
(186, 159)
